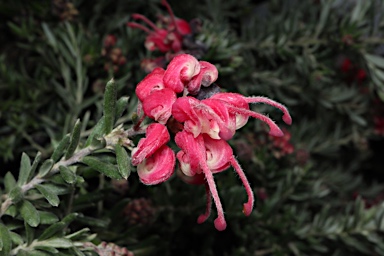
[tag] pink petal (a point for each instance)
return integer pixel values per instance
(152, 82)
(207, 75)
(158, 105)
(157, 168)
(236, 100)
(184, 112)
(156, 136)
(180, 71)
(218, 154)
(192, 148)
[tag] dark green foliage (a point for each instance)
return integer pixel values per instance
(64, 187)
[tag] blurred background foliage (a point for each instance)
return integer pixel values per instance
(319, 189)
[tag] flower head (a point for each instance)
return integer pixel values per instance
(180, 96)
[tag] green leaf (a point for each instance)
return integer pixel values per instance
(109, 170)
(29, 233)
(25, 169)
(36, 161)
(57, 189)
(97, 131)
(52, 230)
(52, 250)
(38, 253)
(109, 106)
(9, 182)
(29, 213)
(16, 238)
(46, 167)
(60, 149)
(123, 161)
(47, 218)
(75, 138)
(67, 174)
(5, 241)
(49, 194)
(376, 60)
(16, 194)
(57, 243)
(121, 105)
(51, 38)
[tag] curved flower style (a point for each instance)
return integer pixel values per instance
(202, 122)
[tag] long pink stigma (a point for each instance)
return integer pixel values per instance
(259, 99)
(137, 16)
(203, 217)
(248, 206)
(219, 222)
(169, 9)
(274, 129)
(139, 26)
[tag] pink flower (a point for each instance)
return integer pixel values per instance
(158, 167)
(202, 129)
(180, 71)
(163, 39)
(204, 155)
(156, 136)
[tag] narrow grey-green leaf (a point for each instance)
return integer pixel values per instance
(36, 161)
(29, 213)
(376, 60)
(75, 138)
(16, 238)
(29, 233)
(60, 149)
(67, 174)
(96, 131)
(123, 161)
(49, 249)
(5, 241)
(25, 169)
(16, 194)
(48, 218)
(121, 105)
(52, 230)
(109, 106)
(109, 170)
(9, 182)
(46, 167)
(49, 194)
(51, 38)
(58, 242)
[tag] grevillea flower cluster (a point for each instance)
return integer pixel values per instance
(202, 123)
(167, 37)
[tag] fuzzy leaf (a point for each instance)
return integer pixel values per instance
(5, 241)
(46, 167)
(25, 169)
(109, 106)
(109, 170)
(67, 174)
(121, 105)
(16, 194)
(376, 60)
(123, 161)
(75, 138)
(16, 238)
(29, 213)
(60, 149)
(97, 131)
(36, 161)
(49, 194)
(47, 218)
(9, 182)
(29, 233)
(52, 230)
(49, 249)
(57, 243)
